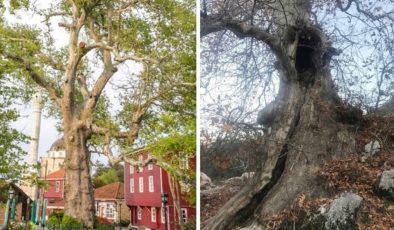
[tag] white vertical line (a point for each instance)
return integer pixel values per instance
(198, 71)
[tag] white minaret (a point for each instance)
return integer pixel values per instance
(35, 136)
(36, 124)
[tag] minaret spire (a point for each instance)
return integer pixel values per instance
(37, 105)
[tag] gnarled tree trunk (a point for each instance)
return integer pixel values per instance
(311, 125)
(79, 200)
(306, 133)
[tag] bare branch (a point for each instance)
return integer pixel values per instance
(121, 59)
(364, 12)
(241, 30)
(66, 25)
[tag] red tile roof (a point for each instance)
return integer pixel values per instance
(110, 191)
(59, 174)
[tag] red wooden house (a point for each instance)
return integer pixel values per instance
(55, 191)
(144, 187)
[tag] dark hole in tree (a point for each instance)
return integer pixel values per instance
(308, 44)
(304, 58)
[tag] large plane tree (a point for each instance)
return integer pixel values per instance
(145, 49)
(330, 61)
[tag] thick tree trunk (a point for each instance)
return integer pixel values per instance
(79, 200)
(307, 132)
(311, 125)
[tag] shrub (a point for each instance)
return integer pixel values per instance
(69, 222)
(53, 221)
(58, 214)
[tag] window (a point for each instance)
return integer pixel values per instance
(140, 168)
(153, 214)
(109, 211)
(184, 163)
(139, 213)
(131, 169)
(141, 184)
(184, 215)
(57, 186)
(132, 185)
(163, 215)
(151, 188)
(150, 166)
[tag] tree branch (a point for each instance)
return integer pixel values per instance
(83, 86)
(210, 25)
(121, 59)
(104, 131)
(364, 12)
(41, 81)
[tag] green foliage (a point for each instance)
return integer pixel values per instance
(69, 222)
(179, 146)
(58, 214)
(106, 175)
(53, 221)
(164, 91)
(11, 153)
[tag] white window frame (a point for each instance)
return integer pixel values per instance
(150, 166)
(140, 159)
(141, 184)
(109, 211)
(163, 217)
(57, 186)
(131, 185)
(184, 214)
(151, 184)
(131, 169)
(139, 213)
(184, 163)
(153, 214)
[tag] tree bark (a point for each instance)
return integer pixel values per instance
(79, 200)
(311, 127)
(307, 132)
(175, 192)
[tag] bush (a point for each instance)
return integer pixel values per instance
(124, 223)
(69, 222)
(53, 221)
(55, 218)
(58, 214)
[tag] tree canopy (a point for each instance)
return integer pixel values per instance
(112, 72)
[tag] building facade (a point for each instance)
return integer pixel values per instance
(54, 194)
(54, 159)
(22, 204)
(144, 187)
(110, 204)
